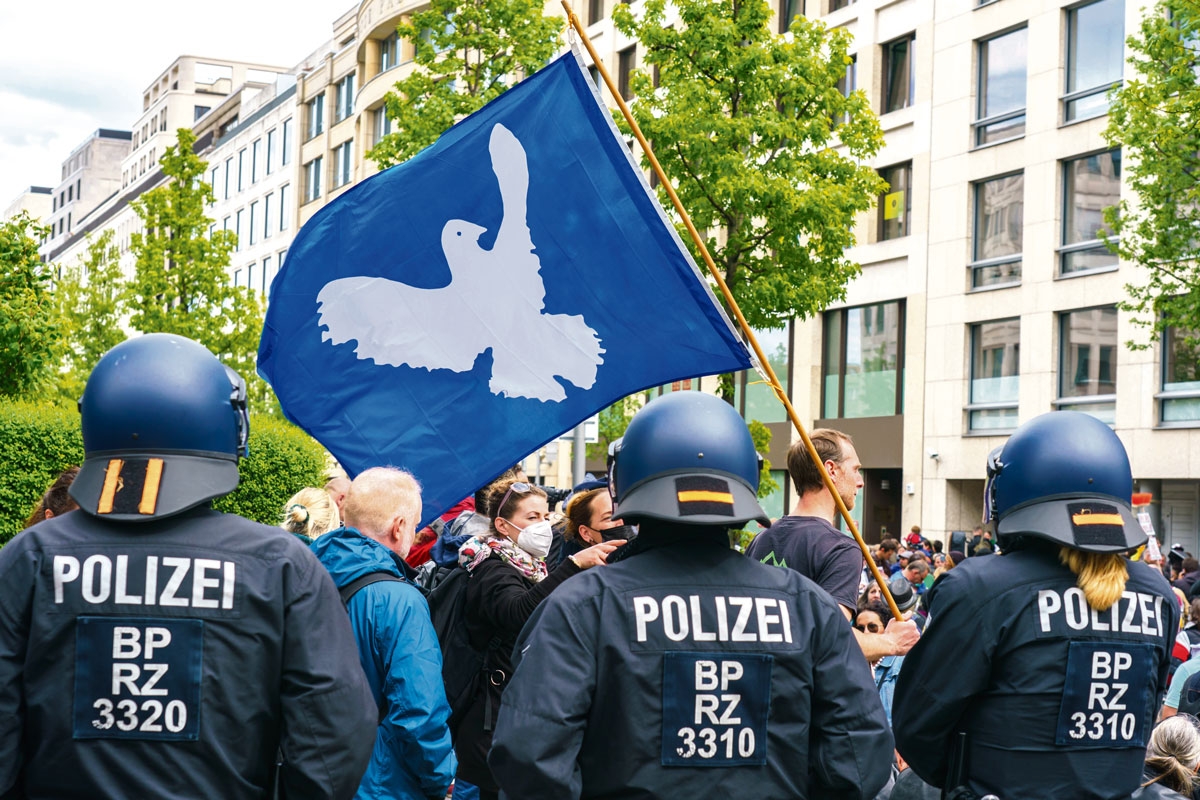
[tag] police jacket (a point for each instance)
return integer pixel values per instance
(398, 649)
(688, 671)
(173, 658)
(1056, 699)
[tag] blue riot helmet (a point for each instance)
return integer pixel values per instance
(164, 424)
(1064, 477)
(687, 457)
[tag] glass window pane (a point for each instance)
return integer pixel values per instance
(1002, 73)
(1088, 353)
(995, 357)
(761, 402)
(898, 74)
(872, 360)
(1181, 371)
(1006, 274)
(993, 419)
(773, 503)
(999, 217)
(1090, 185)
(1096, 48)
(895, 205)
(831, 363)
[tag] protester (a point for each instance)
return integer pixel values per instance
(1187, 643)
(57, 499)
(590, 520)
(508, 580)
(613, 669)
(1189, 572)
(999, 695)
(871, 594)
(873, 619)
(152, 647)
(807, 542)
(337, 487)
(396, 645)
(885, 554)
(310, 513)
(1172, 758)
(915, 573)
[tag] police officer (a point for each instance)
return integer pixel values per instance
(686, 669)
(152, 647)
(1040, 671)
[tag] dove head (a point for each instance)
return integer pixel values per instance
(459, 234)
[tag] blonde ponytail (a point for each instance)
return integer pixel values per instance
(1173, 753)
(1101, 576)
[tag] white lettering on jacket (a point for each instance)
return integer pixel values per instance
(102, 579)
(1134, 612)
(738, 619)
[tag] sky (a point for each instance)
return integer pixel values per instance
(68, 67)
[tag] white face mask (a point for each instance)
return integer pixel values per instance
(535, 538)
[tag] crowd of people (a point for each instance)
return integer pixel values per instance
(616, 648)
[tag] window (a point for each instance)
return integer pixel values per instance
(834, 5)
(250, 276)
(228, 172)
(1180, 397)
(898, 80)
(256, 161)
(344, 98)
(383, 123)
(626, 61)
(281, 258)
(863, 361)
(754, 398)
(389, 52)
(237, 277)
(70, 193)
(254, 222)
(788, 9)
(1087, 363)
(595, 11)
(1000, 114)
(242, 167)
(284, 210)
(271, 151)
(238, 230)
(225, 224)
(312, 180)
(212, 182)
(1095, 57)
(847, 84)
(995, 375)
(343, 166)
(316, 115)
(197, 113)
(999, 225)
(1090, 185)
(895, 204)
(268, 216)
(285, 143)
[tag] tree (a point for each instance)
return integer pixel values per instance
(468, 53)
(1154, 120)
(91, 301)
(30, 329)
(764, 150)
(181, 284)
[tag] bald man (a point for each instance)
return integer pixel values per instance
(338, 488)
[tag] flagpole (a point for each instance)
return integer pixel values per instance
(577, 25)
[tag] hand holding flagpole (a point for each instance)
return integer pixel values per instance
(577, 25)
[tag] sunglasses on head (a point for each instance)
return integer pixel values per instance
(870, 627)
(520, 487)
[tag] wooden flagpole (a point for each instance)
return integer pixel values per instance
(577, 25)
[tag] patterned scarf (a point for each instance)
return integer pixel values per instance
(477, 549)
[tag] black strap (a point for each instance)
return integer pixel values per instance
(486, 673)
(353, 586)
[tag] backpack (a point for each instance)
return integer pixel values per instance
(463, 666)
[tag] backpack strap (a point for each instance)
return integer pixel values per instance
(353, 586)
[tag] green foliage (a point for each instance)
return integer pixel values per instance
(468, 53)
(283, 460)
(742, 120)
(181, 283)
(613, 422)
(37, 442)
(761, 435)
(91, 302)
(30, 329)
(1153, 119)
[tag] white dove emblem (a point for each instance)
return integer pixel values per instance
(495, 300)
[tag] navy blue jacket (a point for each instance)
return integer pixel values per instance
(173, 658)
(687, 670)
(399, 652)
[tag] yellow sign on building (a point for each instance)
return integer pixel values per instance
(893, 205)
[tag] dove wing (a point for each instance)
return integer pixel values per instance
(511, 169)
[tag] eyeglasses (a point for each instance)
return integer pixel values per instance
(870, 627)
(520, 487)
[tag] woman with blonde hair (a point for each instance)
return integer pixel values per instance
(1043, 665)
(1172, 758)
(309, 513)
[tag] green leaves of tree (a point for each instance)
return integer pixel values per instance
(31, 332)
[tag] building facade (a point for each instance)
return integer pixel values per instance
(34, 201)
(90, 175)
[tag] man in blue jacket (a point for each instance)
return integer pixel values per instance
(397, 646)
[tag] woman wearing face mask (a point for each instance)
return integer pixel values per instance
(509, 579)
(589, 519)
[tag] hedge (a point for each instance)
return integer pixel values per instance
(37, 442)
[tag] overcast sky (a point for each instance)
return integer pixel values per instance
(68, 67)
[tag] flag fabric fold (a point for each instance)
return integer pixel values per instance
(454, 313)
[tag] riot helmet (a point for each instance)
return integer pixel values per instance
(1064, 477)
(687, 457)
(164, 424)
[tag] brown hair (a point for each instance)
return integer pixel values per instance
(501, 507)
(1101, 576)
(56, 500)
(829, 445)
(579, 512)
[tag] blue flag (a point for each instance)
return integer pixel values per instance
(452, 314)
